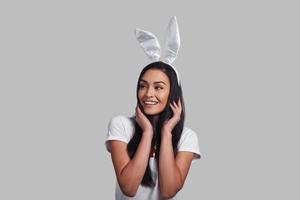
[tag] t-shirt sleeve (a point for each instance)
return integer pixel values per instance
(189, 142)
(116, 131)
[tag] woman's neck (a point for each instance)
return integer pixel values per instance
(154, 120)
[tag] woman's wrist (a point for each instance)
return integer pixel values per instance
(148, 132)
(166, 132)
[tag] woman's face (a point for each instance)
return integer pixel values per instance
(153, 91)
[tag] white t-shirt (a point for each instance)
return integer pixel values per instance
(122, 128)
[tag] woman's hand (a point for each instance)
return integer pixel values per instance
(171, 123)
(142, 120)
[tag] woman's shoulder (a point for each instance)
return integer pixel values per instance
(122, 120)
(188, 132)
(189, 142)
(123, 124)
(188, 135)
(120, 128)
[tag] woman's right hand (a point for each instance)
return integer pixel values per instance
(142, 120)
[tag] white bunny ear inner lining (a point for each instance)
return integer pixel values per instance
(149, 43)
(151, 46)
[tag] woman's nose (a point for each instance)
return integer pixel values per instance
(149, 92)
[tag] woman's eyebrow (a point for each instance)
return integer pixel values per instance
(154, 82)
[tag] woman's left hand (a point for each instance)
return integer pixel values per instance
(171, 123)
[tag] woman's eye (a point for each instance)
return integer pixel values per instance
(158, 88)
(141, 86)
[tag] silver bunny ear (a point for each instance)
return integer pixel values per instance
(151, 46)
(172, 41)
(149, 43)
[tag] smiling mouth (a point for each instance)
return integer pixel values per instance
(150, 103)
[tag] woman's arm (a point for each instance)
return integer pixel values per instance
(130, 173)
(172, 171)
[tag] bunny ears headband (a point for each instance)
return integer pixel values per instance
(151, 45)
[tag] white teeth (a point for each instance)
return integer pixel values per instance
(150, 102)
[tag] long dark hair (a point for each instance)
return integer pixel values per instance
(167, 113)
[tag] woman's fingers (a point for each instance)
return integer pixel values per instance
(137, 111)
(172, 107)
(177, 108)
(142, 120)
(179, 105)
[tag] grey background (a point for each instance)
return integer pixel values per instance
(68, 67)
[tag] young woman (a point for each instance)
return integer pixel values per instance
(152, 151)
